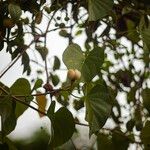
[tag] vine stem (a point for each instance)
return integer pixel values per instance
(16, 59)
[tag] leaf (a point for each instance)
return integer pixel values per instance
(37, 84)
(15, 11)
(25, 63)
(89, 66)
(63, 126)
(104, 142)
(79, 32)
(55, 79)
(132, 34)
(120, 141)
(56, 63)
(21, 87)
(99, 8)
(51, 110)
(146, 96)
(41, 101)
(145, 135)
(98, 107)
(7, 144)
(146, 36)
(7, 112)
(92, 64)
(73, 57)
(43, 51)
(38, 17)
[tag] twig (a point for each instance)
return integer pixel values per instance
(81, 124)
(38, 94)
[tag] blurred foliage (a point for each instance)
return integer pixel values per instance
(114, 60)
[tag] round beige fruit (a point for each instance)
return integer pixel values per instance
(77, 74)
(71, 74)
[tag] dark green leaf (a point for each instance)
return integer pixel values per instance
(21, 87)
(37, 84)
(98, 107)
(92, 64)
(120, 141)
(7, 144)
(56, 63)
(51, 109)
(99, 8)
(7, 112)
(63, 126)
(104, 142)
(145, 135)
(25, 63)
(55, 79)
(146, 100)
(43, 51)
(146, 36)
(15, 11)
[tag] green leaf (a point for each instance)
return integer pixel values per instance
(145, 135)
(104, 142)
(89, 66)
(63, 126)
(55, 79)
(132, 34)
(120, 141)
(7, 108)
(7, 144)
(92, 64)
(21, 87)
(51, 110)
(99, 8)
(37, 84)
(98, 107)
(15, 11)
(146, 100)
(7, 112)
(73, 57)
(25, 63)
(43, 51)
(146, 36)
(56, 63)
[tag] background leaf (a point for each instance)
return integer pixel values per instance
(104, 142)
(7, 112)
(37, 84)
(145, 135)
(146, 100)
(99, 8)
(43, 51)
(56, 63)
(21, 87)
(15, 11)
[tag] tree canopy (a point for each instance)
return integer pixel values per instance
(113, 61)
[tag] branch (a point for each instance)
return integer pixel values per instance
(22, 102)
(16, 59)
